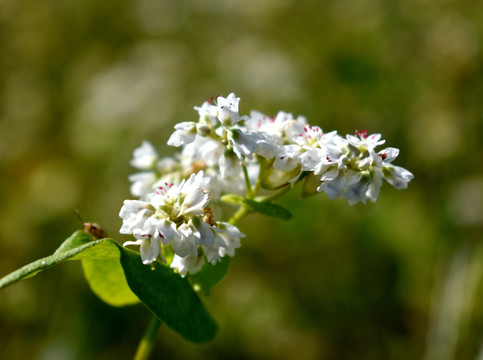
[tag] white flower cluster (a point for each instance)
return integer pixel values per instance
(225, 153)
(179, 216)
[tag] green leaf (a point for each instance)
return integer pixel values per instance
(169, 296)
(210, 275)
(268, 208)
(259, 206)
(106, 279)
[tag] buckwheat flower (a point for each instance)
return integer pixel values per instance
(188, 264)
(226, 240)
(212, 152)
(259, 122)
(306, 136)
(272, 128)
(307, 149)
(133, 213)
(204, 151)
(231, 236)
(359, 176)
(397, 176)
(185, 200)
(212, 252)
(144, 157)
(337, 151)
(207, 114)
(171, 216)
(187, 241)
(229, 166)
(364, 142)
(185, 133)
(315, 160)
(221, 166)
(243, 143)
(287, 158)
(356, 186)
(224, 111)
(144, 183)
(150, 250)
(394, 175)
(332, 183)
(228, 109)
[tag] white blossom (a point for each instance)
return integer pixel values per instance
(178, 216)
(144, 157)
(188, 264)
(228, 109)
(355, 170)
(231, 235)
(142, 183)
(365, 142)
(185, 133)
(168, 216)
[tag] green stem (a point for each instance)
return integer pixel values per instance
(242, 211)
(248, 185)
(147, 341)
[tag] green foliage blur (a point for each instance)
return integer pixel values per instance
(83, 82)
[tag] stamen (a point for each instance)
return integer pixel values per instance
(361, 133)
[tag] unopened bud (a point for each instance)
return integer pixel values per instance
(203, 130)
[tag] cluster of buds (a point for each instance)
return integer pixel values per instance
(176, 216)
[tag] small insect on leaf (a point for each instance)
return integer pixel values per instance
(92, 228)
(95, 229)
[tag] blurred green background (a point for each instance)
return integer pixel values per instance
(83, 82)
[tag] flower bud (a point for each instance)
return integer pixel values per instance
(203, 130)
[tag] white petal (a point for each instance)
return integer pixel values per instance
(144, 156)
(194, 202)
(148, 252)
(333, 185)
(211, 253)
(312, 159)
(397, 176)
(388, 154)
(185, 133)
(187, 264)
(356, 188)
(374, 188)
(187, 244)
(207, 236)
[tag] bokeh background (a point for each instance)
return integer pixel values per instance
(83, 82)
